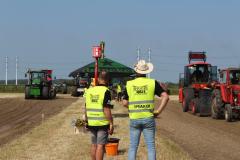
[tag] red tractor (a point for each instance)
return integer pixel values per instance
(226, 95)
(194, 90)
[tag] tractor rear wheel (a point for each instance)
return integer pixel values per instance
(188, 95)
(27, 92)
(45, 93)
(228, 113)
(216, 104)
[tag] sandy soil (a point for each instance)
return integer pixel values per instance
(11, 95)
(17, 115)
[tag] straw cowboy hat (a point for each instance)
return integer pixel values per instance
(142, 67)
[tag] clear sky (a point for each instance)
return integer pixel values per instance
(59, 34)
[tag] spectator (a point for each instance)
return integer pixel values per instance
(139, 99)
(98, 115)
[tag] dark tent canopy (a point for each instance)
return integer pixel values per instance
(114, 68)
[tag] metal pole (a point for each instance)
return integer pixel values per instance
(96, 72)
(6, 80)
(16, 70)
(138, 54)
(149, 59)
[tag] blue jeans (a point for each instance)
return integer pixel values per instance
(147, 126)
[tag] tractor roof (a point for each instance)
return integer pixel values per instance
(197, 56)
(231, 69)
(40, 70)
(198, 63)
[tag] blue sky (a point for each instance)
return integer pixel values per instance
(59, 34)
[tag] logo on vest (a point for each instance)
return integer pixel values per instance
(94, 98)
(140, 90)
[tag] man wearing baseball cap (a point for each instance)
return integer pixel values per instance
(139, 99)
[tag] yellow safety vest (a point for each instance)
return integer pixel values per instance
(141, 97)
(94, 106)
(119, 88)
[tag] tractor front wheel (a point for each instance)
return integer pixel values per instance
(216, 104)
(228, 113)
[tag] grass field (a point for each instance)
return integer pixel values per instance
(12, 88)
(55, 139)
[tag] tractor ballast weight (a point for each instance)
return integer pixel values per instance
(194, 84)
(39, 84)
(226, 95)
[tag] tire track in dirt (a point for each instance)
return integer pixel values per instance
(202, 137)
(17, 115)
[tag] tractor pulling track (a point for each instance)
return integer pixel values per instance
(203, 138)
(18, 116)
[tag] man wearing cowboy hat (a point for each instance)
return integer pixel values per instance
(139, 99)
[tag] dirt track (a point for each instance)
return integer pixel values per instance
(17, 115)
(202, 137)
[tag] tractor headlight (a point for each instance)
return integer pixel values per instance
(235, 100)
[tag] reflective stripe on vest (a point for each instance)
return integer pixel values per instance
(141, 97)
(141, 102)
(94, 106)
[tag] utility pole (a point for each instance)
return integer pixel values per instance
(138, 54)
(149, 59)
(16, 70)
(6, 80)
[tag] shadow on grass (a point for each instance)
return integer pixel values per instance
(120, 115)
(122, 151)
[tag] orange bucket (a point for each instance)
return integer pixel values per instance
(111, 147)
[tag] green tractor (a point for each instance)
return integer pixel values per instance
(39, 84)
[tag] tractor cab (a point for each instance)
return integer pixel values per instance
(39, 84)
(37, 77)
(199, 73)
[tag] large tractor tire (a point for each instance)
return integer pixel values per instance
(27, 92)
(75, 93)
(205, 102)
(194, 105)
(45, 93)
(52, 94)
(217, 105)
(228, 113)
(64, 89)
(188, 95)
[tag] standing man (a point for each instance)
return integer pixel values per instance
(139, 99)
(98, 115)
(119, 92)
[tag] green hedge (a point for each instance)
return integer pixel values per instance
(12, 88)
